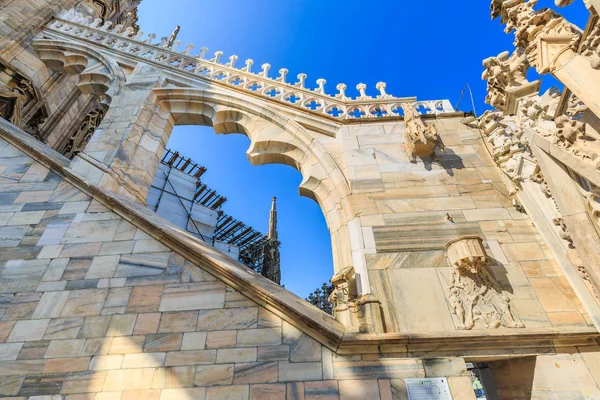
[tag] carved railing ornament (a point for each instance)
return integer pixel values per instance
(124, 39)
(474, 296)
(420, 140)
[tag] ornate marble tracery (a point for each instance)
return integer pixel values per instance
(80, 138)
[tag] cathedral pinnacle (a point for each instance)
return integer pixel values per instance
(273, 219)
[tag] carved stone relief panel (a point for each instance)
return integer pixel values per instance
(475, 298)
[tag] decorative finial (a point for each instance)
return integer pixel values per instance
(282, 75)
(381, 87)
(217, 57)
(232, 60)
(361, 87)
(301, 79)
(248, 67)
(188, 49)
(321, 89)
(341, 87)
(150, 38)
(265, 70)
(138, 35)
(106, 26)
(202, 54)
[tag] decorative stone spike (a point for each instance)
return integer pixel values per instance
(282, 75)
(138, 35)
(248, 67)
(321, 88)
(232, 60)
(202, 54)
(128, 32)
(150, 38)
(361, 87)
(341, 87)
(381, 87)
(188, 49)
(265, 70)
(78, 17)
(106, 26)
(301, 79)
(176, 45)
(217, 57)
(97, 22)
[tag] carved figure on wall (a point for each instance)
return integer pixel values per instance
(529, 24)
(34, 125)
(504, 75)
(11, 104)
(474, 296)
(571, 135)
(15, 97)
(79, 140)
(420, 139)
(539, 178)
(564, 231)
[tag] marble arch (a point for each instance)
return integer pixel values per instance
(98, 74)
(274, 139)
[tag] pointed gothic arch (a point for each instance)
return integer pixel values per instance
(274, 139)
(98, 75)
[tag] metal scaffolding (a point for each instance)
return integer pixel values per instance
(257, 251)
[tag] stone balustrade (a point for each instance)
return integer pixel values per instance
(316, 101)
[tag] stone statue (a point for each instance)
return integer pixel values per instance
(420, 139)
(173, 37)
(474, 295)
(504, 73)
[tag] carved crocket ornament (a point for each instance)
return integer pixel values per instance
(571, 135)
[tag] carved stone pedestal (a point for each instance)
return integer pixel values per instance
(362, 314)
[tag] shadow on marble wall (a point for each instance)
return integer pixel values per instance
(448, 160)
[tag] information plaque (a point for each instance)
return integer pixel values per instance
(428, 389)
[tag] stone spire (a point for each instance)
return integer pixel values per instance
(271, 261)
(273, 220)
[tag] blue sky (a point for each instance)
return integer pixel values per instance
(426, 48)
